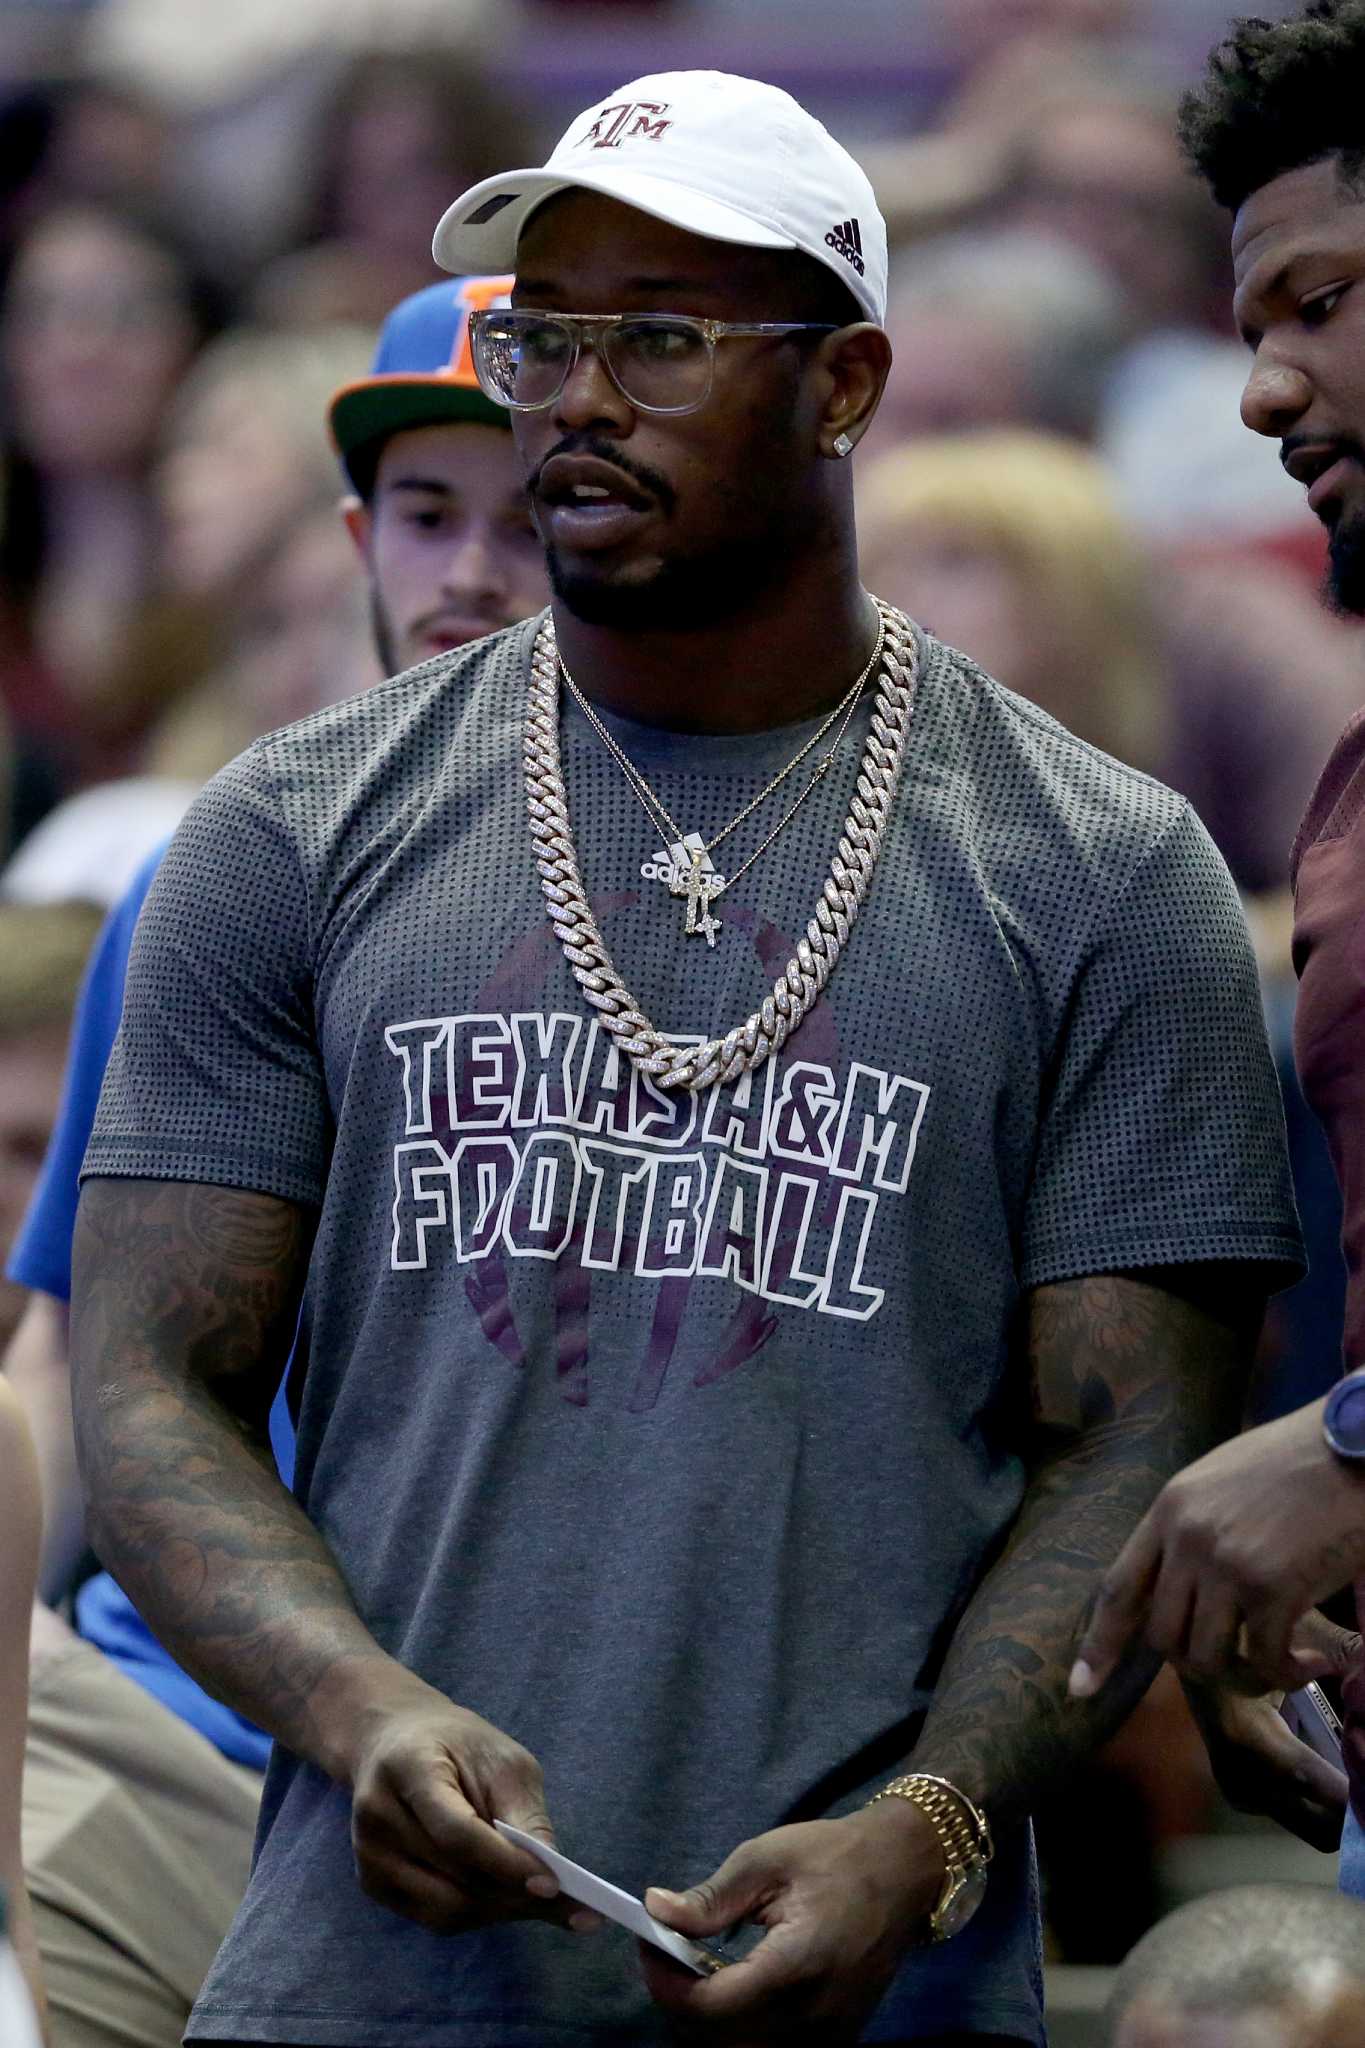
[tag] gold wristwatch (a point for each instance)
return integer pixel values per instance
(965, 1838)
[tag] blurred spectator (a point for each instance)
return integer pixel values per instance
(246, 450)
(1011, 548)
(196, 53)
(300, 644)
(110, 143)
(100, 319)
(1264, 681)
(263, 617)
(996, 329)
(1187, 471)
(978, 27)
(1222, 676)
(90, 847)
(292, 127)
(1061, 138)
(404, 130)
(244, 457)
(42, 953)
(1098, 165)
(1261, 1966)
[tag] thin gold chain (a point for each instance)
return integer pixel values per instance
(821, 768)
(653, 809)
(653, 805)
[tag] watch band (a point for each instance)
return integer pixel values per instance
(963, 1833)
(981, 1826)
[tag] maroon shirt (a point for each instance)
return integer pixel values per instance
(1327, 869)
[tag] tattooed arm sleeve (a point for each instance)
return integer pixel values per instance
(1132, 1377)
(183, 1309)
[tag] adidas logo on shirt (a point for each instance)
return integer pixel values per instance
(848, 243)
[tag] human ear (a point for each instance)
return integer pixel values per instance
(857, 362)
(356, 517)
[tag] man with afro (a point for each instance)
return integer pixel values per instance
(1223, 1574)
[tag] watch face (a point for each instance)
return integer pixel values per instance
(958, 1906)
(1345, 1417)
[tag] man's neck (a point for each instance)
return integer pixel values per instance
(789, 656)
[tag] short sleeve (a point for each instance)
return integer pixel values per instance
(40, 1257)
(1337, 800)
(1162, 1138)
(215, 1074)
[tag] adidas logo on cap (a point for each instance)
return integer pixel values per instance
(707, 152)
(848, 243)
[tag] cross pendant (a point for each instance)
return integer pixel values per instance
(700, 886)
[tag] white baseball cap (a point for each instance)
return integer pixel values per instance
(725, 157)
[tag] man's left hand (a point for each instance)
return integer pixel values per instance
(1232, 1554)
(842, 1900)
(1261, 1767)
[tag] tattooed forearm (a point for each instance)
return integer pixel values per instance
(1130, 1383)
(183, 1311)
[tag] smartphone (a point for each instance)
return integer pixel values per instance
(1309, 1714)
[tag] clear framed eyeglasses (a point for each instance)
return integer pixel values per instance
(659, 362)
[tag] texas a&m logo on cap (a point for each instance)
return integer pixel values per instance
(848, 243)
(627, 118)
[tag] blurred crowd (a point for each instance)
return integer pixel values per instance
(206, 212)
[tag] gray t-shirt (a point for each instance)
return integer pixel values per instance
(672, 1434)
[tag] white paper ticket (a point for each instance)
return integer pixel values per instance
(613, 1904)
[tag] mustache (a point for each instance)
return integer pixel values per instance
(454, 615)
(607, 451)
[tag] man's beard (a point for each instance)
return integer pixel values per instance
(1346, 566)
(388, 644)
(687, 592)
(684, 593)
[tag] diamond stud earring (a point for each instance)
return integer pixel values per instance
(842, 445)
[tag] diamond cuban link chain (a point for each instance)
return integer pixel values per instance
(801, 983)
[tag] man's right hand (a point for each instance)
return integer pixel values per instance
(428, 1782)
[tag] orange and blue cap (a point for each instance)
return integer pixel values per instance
(423, 374)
